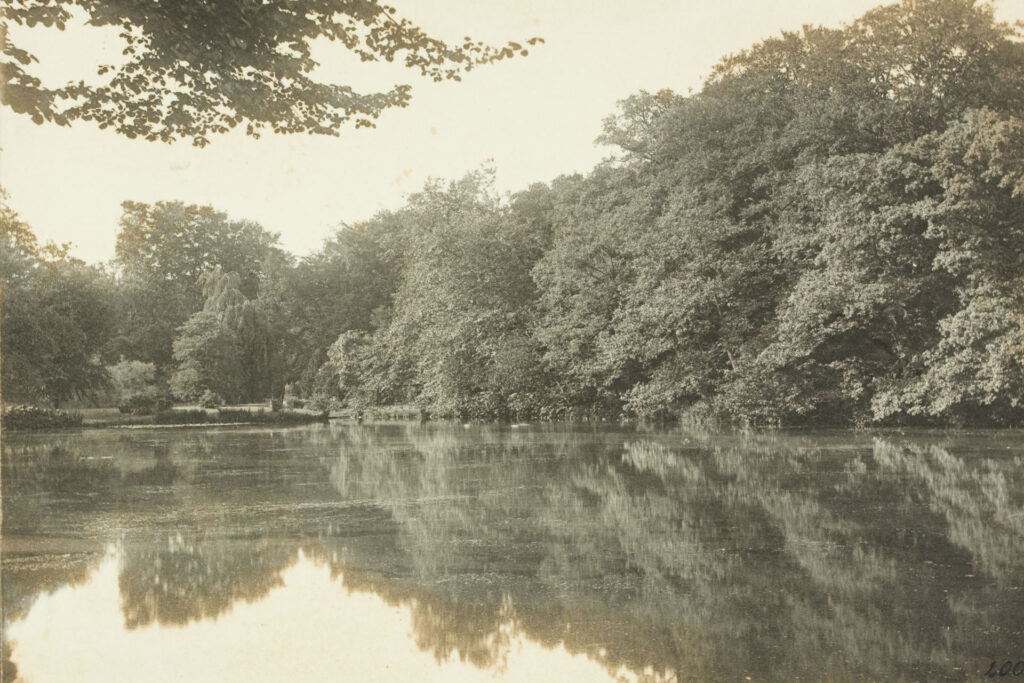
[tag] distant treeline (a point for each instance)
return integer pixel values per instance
(830, 231)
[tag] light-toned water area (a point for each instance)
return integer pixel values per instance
(398, 552)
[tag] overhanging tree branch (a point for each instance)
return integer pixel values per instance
(199, 67)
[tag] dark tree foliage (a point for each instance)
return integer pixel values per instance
(777, 247)
(163, 251)
(334, 291)
(194, 68)
(57, 313)
(440, 311)
(209, 357)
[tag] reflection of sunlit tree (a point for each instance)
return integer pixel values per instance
(236, 526)
(7, 666)
(197, 577)
(163, 489)
(472, 629)
(980, 496)
(461, 548)
(35, 475)
(48, 484)
(981, 500)
(722, 546)
(472, 516)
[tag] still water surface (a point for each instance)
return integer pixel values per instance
(550, 553)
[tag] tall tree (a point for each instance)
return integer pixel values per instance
(764, 248)
(974, 369)
(333, 291)
(209, 358)
(248, 320)
(162, 252)
(228, 347)
(57, 315)
(459, 337)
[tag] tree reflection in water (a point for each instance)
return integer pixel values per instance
(688, 555)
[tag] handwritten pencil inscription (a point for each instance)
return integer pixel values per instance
(1007, 668)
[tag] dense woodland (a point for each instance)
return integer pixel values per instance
(831, 231)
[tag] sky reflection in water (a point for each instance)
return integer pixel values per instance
(310, 628)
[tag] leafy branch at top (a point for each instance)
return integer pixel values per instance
(194, 68)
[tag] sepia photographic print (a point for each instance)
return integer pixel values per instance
(512, 340)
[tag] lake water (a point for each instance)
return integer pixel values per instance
(549, 553)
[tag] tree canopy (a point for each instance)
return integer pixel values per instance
(163, 250)
(56, 315)
(831, 231)
(194, 68)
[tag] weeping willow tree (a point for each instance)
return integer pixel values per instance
(226, 347)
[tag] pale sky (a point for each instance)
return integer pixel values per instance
(533, 117)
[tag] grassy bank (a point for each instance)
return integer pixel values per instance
(30, 418)
(188, 416)
(380, 413)
(34, 419)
